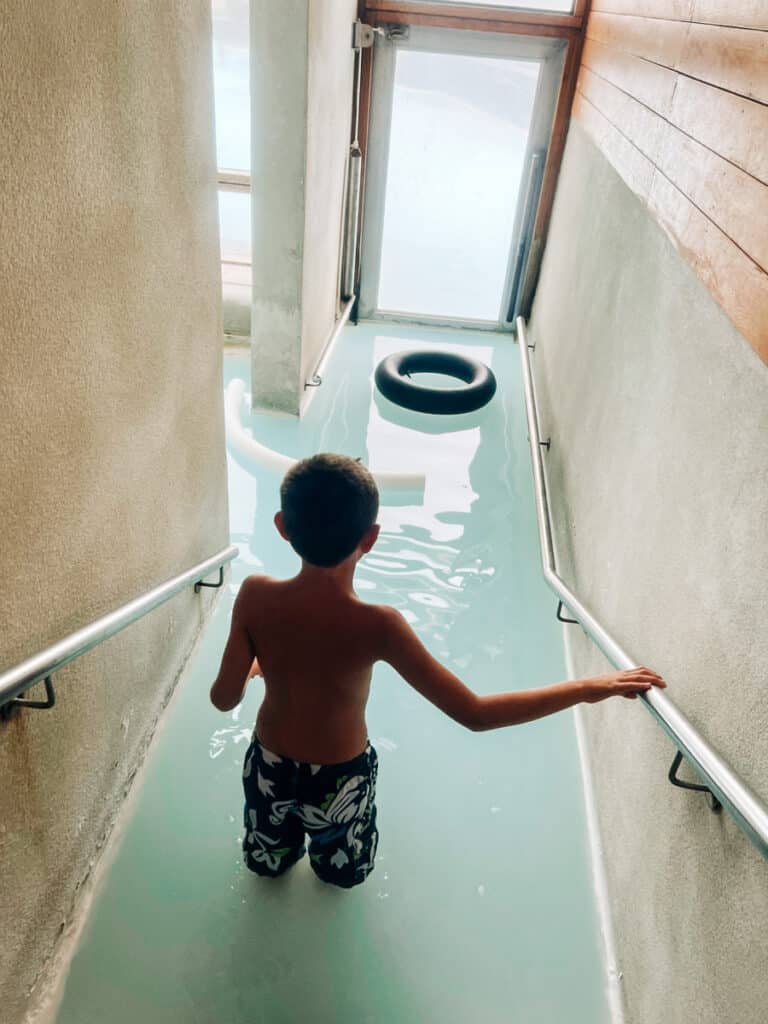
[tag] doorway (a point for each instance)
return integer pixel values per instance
(460, 123)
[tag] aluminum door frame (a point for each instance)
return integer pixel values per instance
(548, 52)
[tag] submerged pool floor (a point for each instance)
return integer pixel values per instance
(480, 908)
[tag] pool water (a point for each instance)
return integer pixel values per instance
(480, 907)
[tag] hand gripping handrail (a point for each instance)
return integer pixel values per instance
(41, 666)
(749, 813)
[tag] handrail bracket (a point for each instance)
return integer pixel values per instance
(714, 804)
(219, 582)
(562, 618)
(7, 709)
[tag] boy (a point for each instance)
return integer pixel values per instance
(310, 768)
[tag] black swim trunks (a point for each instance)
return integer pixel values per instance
(334, 804)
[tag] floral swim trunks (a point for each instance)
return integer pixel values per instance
(333, 804)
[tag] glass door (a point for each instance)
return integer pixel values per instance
(457, 119)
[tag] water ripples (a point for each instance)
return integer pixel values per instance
(228, 736)
(430, 583)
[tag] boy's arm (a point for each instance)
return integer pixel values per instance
(238, 657)
(408, 656)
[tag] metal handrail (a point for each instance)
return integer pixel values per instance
(42, 665)
(316, 377)
(744, 806)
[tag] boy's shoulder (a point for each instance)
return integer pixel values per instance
(386, 621)
(257, 579)
(254, 583)
(253, 588)
(382, 619)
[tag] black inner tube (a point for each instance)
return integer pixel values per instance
(393, 381)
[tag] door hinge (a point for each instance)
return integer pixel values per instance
(363, 35)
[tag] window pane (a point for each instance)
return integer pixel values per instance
(458, 140)
(231, 84)
(235, 226)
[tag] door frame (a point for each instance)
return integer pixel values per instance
(549, 52)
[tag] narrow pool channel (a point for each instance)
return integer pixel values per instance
(480, 907)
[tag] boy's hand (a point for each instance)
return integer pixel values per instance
(622, 684)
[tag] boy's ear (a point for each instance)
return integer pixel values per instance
(280, 525)
(370, 538)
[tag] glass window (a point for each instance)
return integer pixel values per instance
(235, 226)
(459, 133)
(233, 123)
(231, 84)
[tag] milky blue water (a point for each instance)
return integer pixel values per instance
(480, 907)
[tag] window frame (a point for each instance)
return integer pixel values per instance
(550, 55)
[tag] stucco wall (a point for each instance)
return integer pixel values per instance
(301, 102)
(113, 475)
(279, 49)
(658, 413)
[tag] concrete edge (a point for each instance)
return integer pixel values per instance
(613, 973)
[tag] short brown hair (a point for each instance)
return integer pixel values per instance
(329, 502)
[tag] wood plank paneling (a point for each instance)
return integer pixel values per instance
(674, 93)
(657, 41)
(732, 13)
(650, 83)
(736, 282)
(635, 168)
(730, 58)
(735, 127)
(732, 125)
(735, 201)
(737, 13)
(673, 10)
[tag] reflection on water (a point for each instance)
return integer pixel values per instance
(221, 737)
(480, 901)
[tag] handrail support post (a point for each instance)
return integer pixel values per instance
(714, 804)
(7, 709)
(215, 586)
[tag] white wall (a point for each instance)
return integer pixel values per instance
(301, 101)
(658, 413)
(113, 473)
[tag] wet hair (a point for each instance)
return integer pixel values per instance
(329, 502)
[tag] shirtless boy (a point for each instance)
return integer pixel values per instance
(310, 770)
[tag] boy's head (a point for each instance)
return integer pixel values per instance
(328, 506)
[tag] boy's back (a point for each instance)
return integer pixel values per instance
(316, 643)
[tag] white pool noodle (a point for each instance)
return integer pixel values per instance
(250, 448)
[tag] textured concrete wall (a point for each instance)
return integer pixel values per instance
(279, 53)
(658, 413)
(113, 474)
(301, 102)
